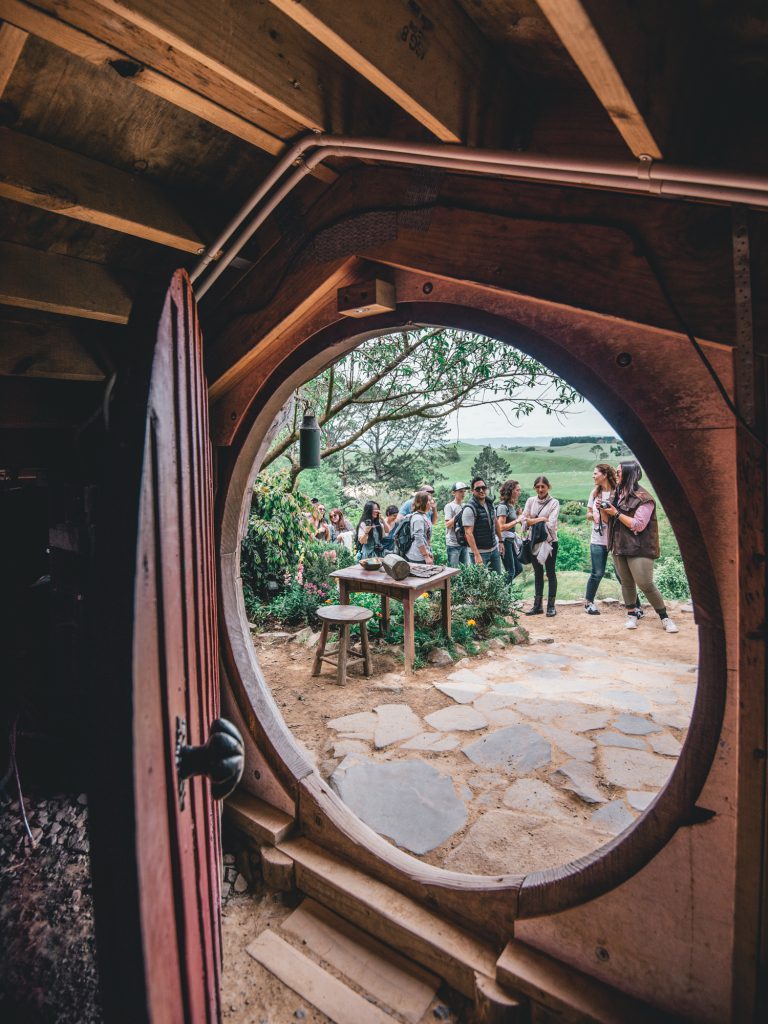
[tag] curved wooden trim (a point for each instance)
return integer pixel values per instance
(481, 902)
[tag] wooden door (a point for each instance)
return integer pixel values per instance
(156, 849)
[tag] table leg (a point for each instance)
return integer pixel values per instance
(341, 673)
(343, 592)
(384, 624)
(409, 640)
(446, 609)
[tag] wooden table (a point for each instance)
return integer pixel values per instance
(355, 580)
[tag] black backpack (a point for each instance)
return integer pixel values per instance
(402, 535)
(458, 528)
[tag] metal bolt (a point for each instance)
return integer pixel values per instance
(623, 359)
(427, 288)
(602, 953)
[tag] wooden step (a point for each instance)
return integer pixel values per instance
(331, 996)
(570, 994)
(395, 919)
(395, 982)
(264, 823)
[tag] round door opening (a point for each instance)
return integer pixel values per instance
(521, 698)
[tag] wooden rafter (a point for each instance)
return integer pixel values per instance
(31, 279)
(53, 29)
(49, 350)
(12, 41)
(602, 66)
(38, 174)
(433, 62)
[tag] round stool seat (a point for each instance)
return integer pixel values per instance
(341, 614)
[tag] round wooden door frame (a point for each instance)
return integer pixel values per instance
(487, 903)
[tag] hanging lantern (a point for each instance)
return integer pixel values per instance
(309, 442)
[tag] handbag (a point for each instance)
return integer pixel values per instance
(526, 554)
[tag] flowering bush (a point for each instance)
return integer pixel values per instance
(484, 595)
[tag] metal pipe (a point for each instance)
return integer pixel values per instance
(644, 177)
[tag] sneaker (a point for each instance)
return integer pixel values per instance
(669, 626)
(591, 609)
(638, 612)
(631, 622)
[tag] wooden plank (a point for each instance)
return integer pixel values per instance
(277, 869)
(331, 996)
(394, 981)
(390, 916)
(44, 350)
(50, 178)
(603, 69)
(493, 1005)
(60, 284)
(568, 992)
(261, 821)
(431, 61)
(12, 42)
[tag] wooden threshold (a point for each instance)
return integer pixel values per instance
(261, 821)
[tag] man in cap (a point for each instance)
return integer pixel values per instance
(456, 553)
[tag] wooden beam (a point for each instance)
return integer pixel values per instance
(32, 279)
(41, 175)
(432, 61)
(12, 42)
(604, 67)
(44, 350)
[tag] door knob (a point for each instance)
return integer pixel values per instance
(221, 758)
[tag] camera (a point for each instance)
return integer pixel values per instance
(369, 522)
(606, 504)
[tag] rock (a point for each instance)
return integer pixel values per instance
(303, 635)
(626, 700)
(229, 858)
(496, 643)
(634, 768)
(618, 739)
(516, 689)
(674, 718)
(277, 636)
(327, 767)
(344, 747)
(517, 748)
(361, 724)
(580, 779)
(503, 716)
(564, 603)
(440, 657)
(493, 701)
(394, 722)
(639, 799)
(536, 796)
(464, 692)
(542, 639)
(609, 600)
(436, 742)
(240, 885)
(687, 608)
(312, 641)
(574, 746)
(584, 721)
(662, 696)
(614, 817)
(37, 835)
(409, 801)
(226, 888)
(666, 745)
(456, 717)
(546, 710)
(635, 725)
(519, 635)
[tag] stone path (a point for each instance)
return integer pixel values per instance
(538, 756)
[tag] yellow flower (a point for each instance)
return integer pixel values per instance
(471, 622)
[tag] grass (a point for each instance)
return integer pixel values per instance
(570, 586)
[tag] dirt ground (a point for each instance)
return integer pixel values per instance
(308, 704)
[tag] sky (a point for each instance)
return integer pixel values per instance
(489, 421)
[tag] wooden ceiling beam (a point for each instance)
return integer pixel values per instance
(608, 49)
(56, 30)
(432, 62)
(31, 279)
(47, 350)
(12, 42)
(39, 174)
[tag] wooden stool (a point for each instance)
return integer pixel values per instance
(343, 616)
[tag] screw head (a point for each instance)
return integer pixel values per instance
(623, 359)
(427, 288)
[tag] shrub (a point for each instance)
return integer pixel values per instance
(298, 604)
(487, 594)
(669, 576)
(276, 534)
(321, 559)
(573, 511)
(572, 551)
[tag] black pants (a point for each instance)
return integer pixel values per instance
(538, 576)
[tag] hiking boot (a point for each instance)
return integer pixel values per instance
(669, 625)
(551, 611)
(631, 621)
(591, 609)
(537, 609)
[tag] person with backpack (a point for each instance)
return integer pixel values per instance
(481, 527)
(369, 534)
(457, 553)
(540, 517)
(509, 516)
(420, 527)
(407, 506)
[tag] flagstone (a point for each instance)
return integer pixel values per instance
(639, 799)
(675, 718)
(361, 724)
(666, 745)
(463, 693)
(619, 739)
(571, 744)
(635, 725)
(626, 700)
(395, 722)
(494, 701)
(633, 768)
(517, 748)
(584, 721)
(545, 709)
(580, 778)
(437, 742)
(614, 817)
(458, 717)
(537, 797)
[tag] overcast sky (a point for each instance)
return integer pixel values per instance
(489, 421)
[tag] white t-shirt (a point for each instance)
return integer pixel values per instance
(598, 537)
(452, 509)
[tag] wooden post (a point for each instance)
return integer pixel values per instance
(445, 619)
(409, 641)
(384, 613)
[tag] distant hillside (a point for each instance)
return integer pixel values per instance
(497, 442)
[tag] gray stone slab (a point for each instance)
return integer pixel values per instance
(639, 799)
(584, 721)
(503, 716)
(409, 801)
(362, 724)
(494, 701)
(395, 722)
(626, 700)
(436, 742)
(666, 745)
(465, 675)
(545, 709)
(537, 797)
(580, 778)
(674, 718)
(635, 726)
(578, 747)
(614, 817)
(544, 659)
(516, 748)
(484, 780)
(633, 769)
(662, 695)
(463, 693)
(344, 747)
(618, 739)
(457, 718)
(511, 689)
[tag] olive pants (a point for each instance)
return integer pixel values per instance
(637, 572)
